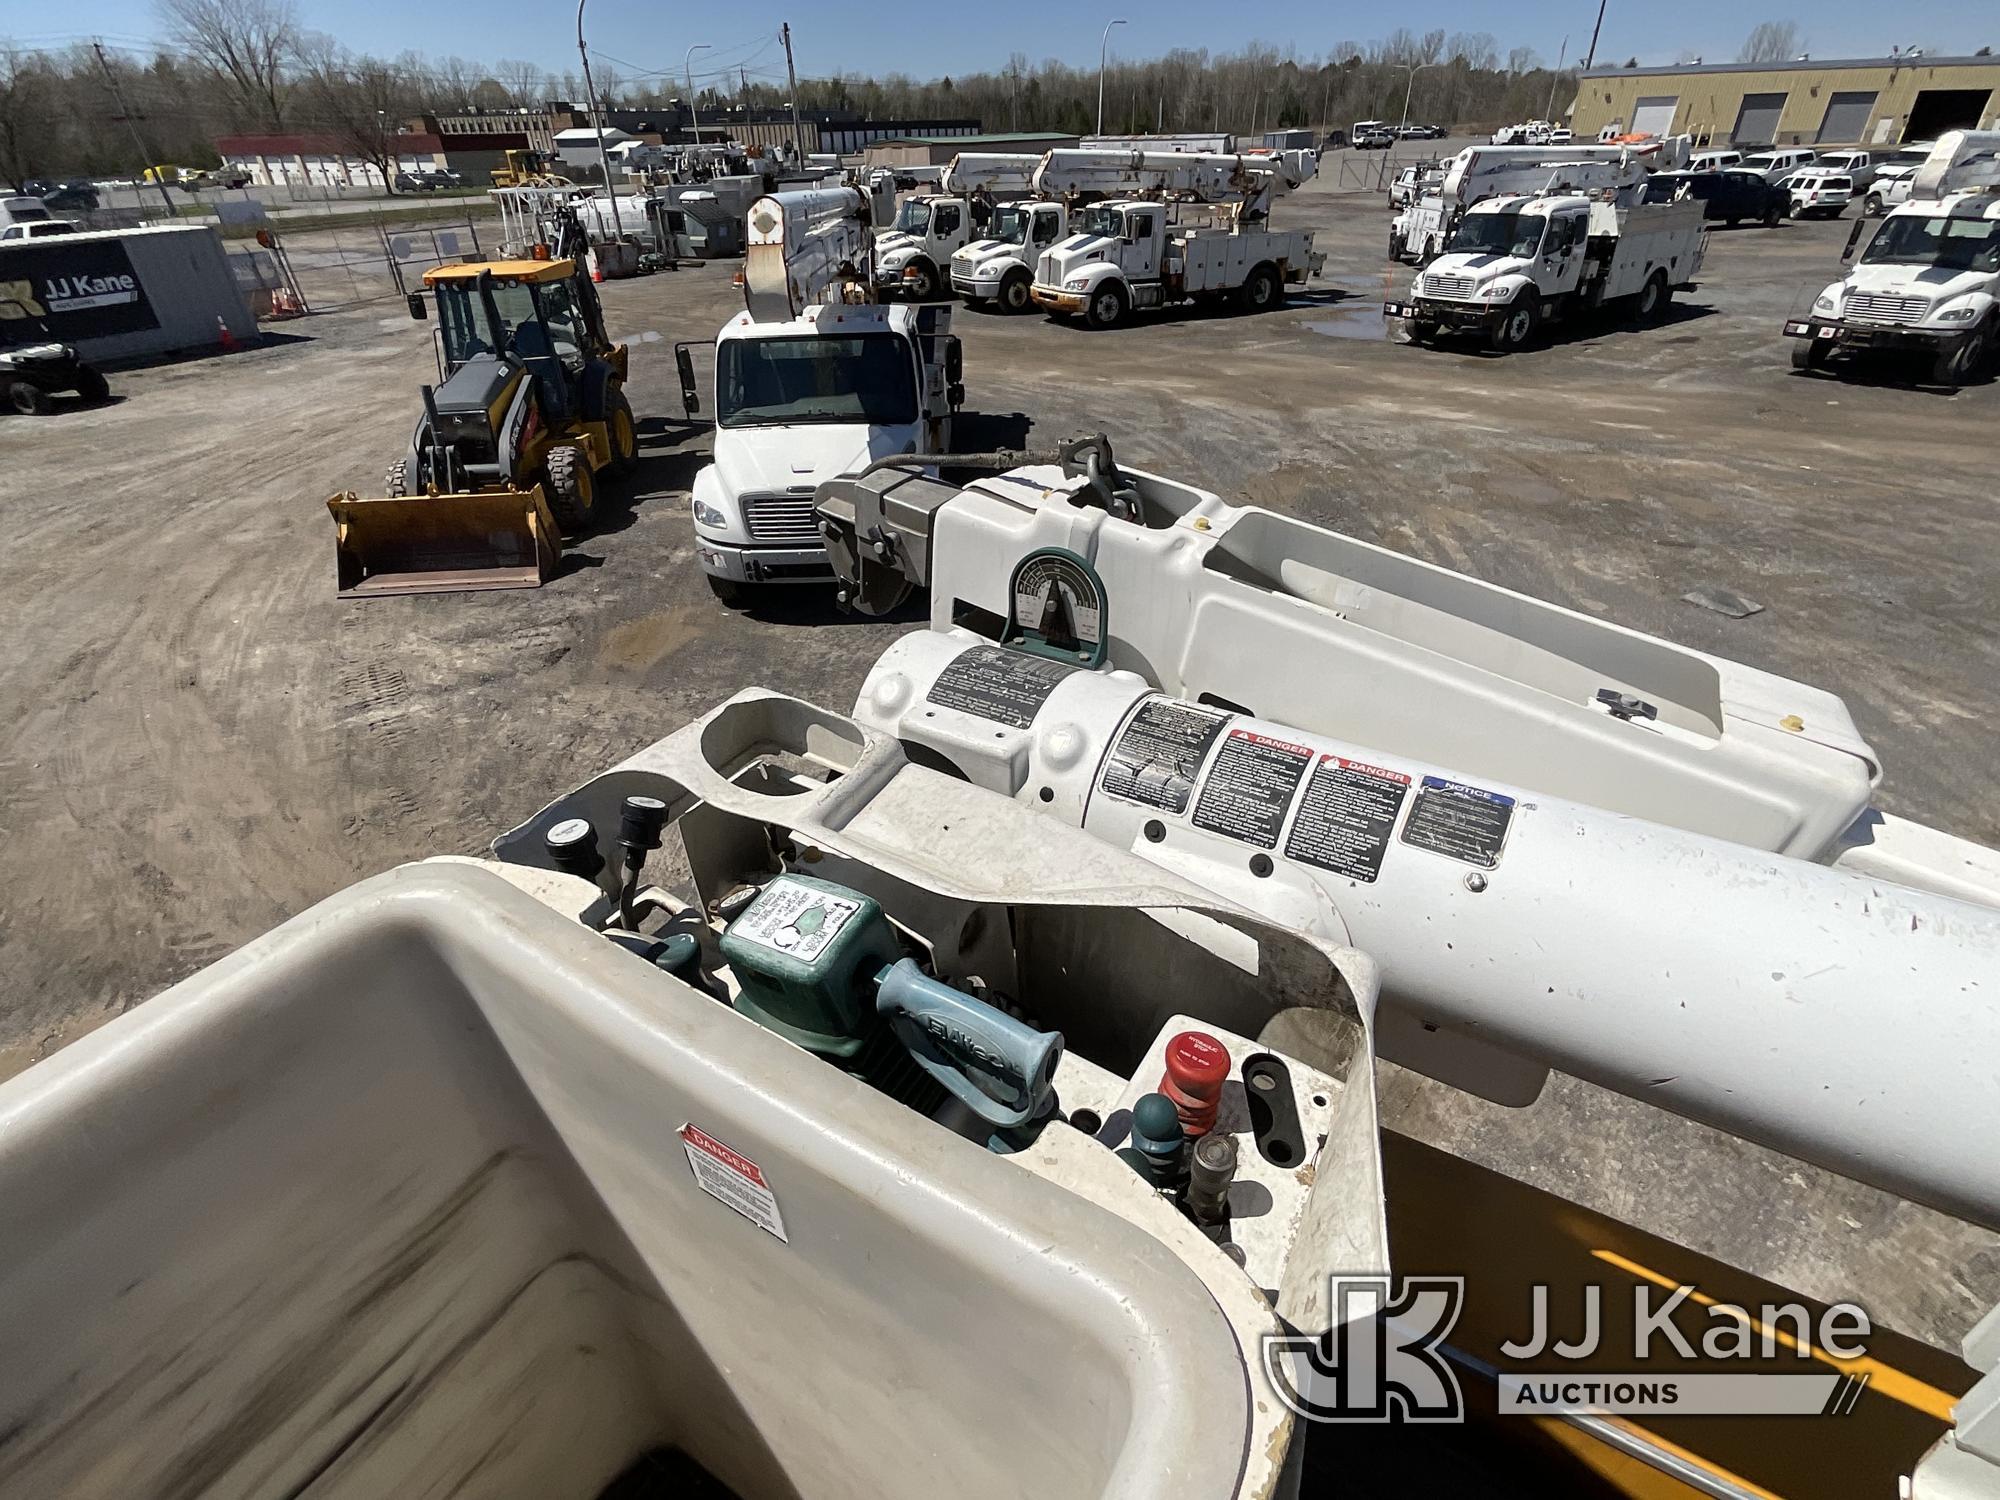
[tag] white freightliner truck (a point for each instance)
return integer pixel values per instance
(1000, 268)
(1133, 252)
(1582, 243)
(813, 378)
(910, 256)
(1420, 232)
(1927, 283)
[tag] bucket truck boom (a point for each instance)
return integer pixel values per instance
(931, 227)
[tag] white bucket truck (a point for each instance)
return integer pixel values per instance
(929, 228)
(1420, 232)
(1582, 242)
(1928, 282)
(1133, 252)
(814, 378)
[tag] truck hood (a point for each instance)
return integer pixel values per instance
(979, 252)
(1077, 251)
(771, 460)
(1479, 268)
(894, 240)
(1934, 282)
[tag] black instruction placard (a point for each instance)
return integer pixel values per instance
(1159, 753)
(1007, 687)
(1250, 786)
(1346, 816)
(1467, 823)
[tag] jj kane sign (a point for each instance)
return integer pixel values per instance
(78, 288)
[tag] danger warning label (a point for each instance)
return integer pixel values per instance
(732, 1179)
(1007, 687)
(1159, 753)
(1462, 822)
(1344, 821)
(1250, 786)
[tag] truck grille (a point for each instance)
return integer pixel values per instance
(1880, 307)
(782, 518)
(1447, 286)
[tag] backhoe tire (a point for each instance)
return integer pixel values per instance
(1107, 305)
(570, 489)
(1808, 354)
(397, 483)
(1261, 290)
(27, 398)
(91, 386)
(1014, 296)
(622, 432)
(1517, 329)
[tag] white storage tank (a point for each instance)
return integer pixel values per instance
(124, 294)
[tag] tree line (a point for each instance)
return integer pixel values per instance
(228, 67)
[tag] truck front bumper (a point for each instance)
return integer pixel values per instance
(1464, 316)
(740, 564)
(975, 291)
(1843, 336)
(1057, 299)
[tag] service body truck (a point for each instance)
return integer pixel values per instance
(1515, 263)
(1134, 252)
(813, 379)
(930, 228)
(1001, 268)
(1928, 282)
(1420, 232)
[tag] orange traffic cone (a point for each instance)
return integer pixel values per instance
(224, 336)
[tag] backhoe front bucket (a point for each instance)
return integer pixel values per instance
(442, 544)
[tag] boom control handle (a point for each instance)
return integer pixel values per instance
(1001, 1069)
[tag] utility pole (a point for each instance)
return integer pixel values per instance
(1591, 56)
(792, 77)
(1550, 112)
(603, 156)
(146, 162)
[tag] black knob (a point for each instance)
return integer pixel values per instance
(640, 822)
(572, 844)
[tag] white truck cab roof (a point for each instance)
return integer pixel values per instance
(828, 320)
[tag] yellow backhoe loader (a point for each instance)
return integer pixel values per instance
(531, 409)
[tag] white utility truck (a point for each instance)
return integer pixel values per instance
(814, 377)
(1420, 232)
(911, 255)
(1000, 268)
(1928, 282)
(1134, 252)
(1516, 262)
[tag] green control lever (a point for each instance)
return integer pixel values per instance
(1001, 1069)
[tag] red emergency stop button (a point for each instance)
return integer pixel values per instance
(1197, 1064)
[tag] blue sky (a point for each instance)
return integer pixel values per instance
(961, 37)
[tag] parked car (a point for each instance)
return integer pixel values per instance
(1714, 161)
(1818, 194)
(1859, 167)
(412, 182)
(1374, 140)
(1729, 197)
(1777, 165)
(1562, 135)
(1420, 132)
(38, 229)
(72, 197)
(1890, 187)
(1413, 182)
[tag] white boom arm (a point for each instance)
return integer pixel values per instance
(803, 246)
(995, 171)
(1250, 182)
(1490, 171)
(1962, 160)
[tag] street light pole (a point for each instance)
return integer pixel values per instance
(687, 67)
(1415, 69)
(603, 156)
(1103, 45)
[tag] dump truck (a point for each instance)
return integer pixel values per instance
(529, 410)
(1926, 285)
(1135, 252)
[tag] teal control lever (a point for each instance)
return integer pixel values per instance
(1001, 1069)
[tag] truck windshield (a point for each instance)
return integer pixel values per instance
(868, 378)
(1105, 221)
(1518, 235)
(1010, 226)
(1954, 244)
(914, 217)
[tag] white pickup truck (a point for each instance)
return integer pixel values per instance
(1515, 263)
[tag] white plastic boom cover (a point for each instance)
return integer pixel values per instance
(395, 1201)
(995, 171)
(1249, 181)
(1960, 161)
(1314, 629)
(803, 245)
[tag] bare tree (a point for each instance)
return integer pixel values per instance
(360, 102)
(526, 84)
(28, 88)
(1771, 41)
(247, 44)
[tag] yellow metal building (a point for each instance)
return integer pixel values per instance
(1849, 102)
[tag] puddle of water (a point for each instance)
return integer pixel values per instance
(1361, 323)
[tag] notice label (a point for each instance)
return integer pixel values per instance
(1159, 753)
(795, 919)
(1250, 786)
(990, 682)
(1464, 822)
(1344, 822)
(732, 1179)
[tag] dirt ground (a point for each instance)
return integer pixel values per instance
(202, 740)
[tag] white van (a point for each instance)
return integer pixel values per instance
(1714, 161)
(23, 211)
(1776, 166)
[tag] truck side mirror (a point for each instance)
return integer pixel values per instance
(1853, 240)
(690, 397)
(954, 360)
(417, 309)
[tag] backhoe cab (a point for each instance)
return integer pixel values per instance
(531, 407)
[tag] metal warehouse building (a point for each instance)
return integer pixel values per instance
(1859, 101)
